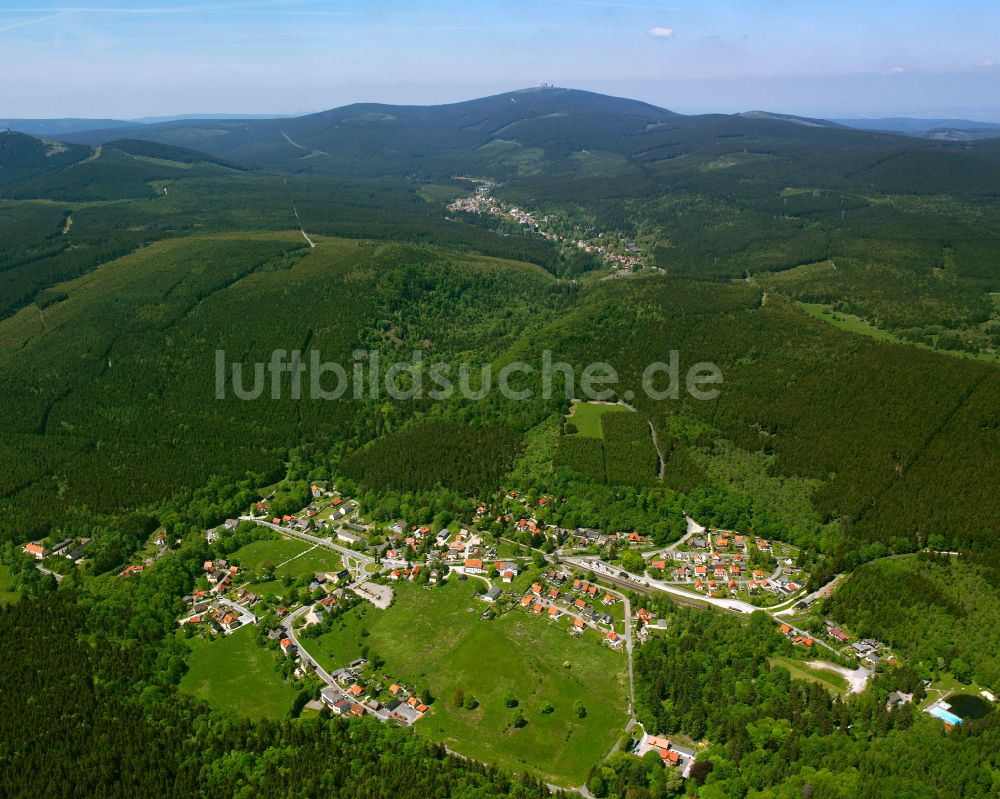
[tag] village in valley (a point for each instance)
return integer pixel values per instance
(337, 600)
(614, 251)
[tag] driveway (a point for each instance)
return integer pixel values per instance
(856, 678)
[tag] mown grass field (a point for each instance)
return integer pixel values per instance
(587, 417)
(233, 673)
(274, 552)
(802, 671)
(291, 558)
(434, 639)
(318, 559)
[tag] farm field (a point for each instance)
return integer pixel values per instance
(434, 639)
(233, 673)
(803, 671)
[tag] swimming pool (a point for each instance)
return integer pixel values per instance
(944, 715)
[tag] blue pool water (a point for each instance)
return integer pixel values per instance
(944, 715)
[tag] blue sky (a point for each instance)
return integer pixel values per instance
(132, 58)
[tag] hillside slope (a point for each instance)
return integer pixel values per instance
(520, 133)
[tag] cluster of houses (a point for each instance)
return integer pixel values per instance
(72, 549)
(558, 597)
(869, 652)
(404, 543)
(664, 748)
(159, 539)
(836, 633)
(646, 623)
(670, 753)
(294, 522)
(721, 565)
(506, 569)
(800, 640)
(218, 617)
(351, 697)
(220, 574)
(341, 519)
(482, 202)
(135, 568)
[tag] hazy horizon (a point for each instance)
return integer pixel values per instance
(129, 59)
(406, 97)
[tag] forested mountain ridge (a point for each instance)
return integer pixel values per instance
(841, 281)
(23, 156)
(532, 131)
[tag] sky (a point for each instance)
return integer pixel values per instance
(127, 59)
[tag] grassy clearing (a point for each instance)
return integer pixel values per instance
(846, 321)
(297, 559)
(319, 559)
(441, 193)
(434, 639)
(257, 553)
(855, 324)
(7, 594)
(802, 671)
(233, 673)
(269, 590)
(587, 417)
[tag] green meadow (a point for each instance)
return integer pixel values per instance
(846, 321)
(233, 673)
(289, 556)
(258, 554)
(435, 640)
(587, 417)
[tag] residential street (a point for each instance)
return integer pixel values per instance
(322, 673)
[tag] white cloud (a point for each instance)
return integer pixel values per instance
(989, 63)
(660, 33)
(895, 71)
